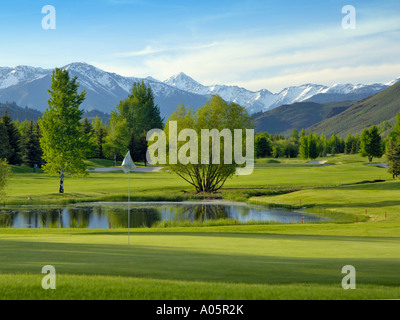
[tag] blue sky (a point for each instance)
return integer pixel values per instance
(253, 44)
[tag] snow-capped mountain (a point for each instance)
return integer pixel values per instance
(27, 86)
(14, 76)
(264, 100)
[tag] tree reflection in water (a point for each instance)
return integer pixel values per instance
(139, 217)
(203, 212)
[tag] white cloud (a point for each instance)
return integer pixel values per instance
(275, 61)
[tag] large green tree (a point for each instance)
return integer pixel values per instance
(262, 146)
(139, 114)
(371, 143)
(395, 134)
(64, 147)
(117, 140)
(140, 110)
(215, 114)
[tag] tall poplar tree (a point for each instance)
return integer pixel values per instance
(64, 146)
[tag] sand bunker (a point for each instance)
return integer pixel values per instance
(382, 165)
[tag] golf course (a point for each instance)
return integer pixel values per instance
(360, 204)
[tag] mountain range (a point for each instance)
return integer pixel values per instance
(379, 108)
(339, 118)
(27, 86)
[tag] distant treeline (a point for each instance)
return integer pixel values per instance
(124, 130)
(311, 145)
(20, 141)
(306, 146)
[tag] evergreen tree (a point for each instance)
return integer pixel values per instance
(138, 147)
(14, 139)
(5, 149)
(31, 150)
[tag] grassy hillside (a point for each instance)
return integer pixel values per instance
(297, 116)
(370, 111)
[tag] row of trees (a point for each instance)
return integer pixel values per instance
(19, 142)
(305, 146)
(311, 145)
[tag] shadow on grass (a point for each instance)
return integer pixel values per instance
(156, 262)
(249, 235)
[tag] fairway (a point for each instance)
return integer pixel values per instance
(296, 261)
(246, 262)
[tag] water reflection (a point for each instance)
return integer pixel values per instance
(104, 216)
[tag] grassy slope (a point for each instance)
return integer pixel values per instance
(373, 110)
(295, 116)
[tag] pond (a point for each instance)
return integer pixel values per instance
(142, 214)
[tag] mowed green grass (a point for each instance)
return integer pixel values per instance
(113, 186)
(242, 262)
(222, 262)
